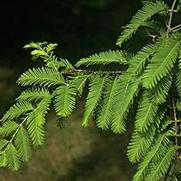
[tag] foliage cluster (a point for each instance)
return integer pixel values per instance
(144, 87)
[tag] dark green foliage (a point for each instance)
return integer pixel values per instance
(147, 84)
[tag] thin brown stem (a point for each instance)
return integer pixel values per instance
(16, 132)
(169, 29)
(170, 18)
(176, 130)
(175, 121)
(77, 71)
(176, 28)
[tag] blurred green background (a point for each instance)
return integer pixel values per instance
(82, 27)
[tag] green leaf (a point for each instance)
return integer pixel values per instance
(55, 63)
(127, 90)
(178, 77)
(93, 98)
(162, 62)
(38, 53)
(22, 142)
(139, 146)
(18, 109)
(50, 47)
(79, 82)
(41, 76)
(36, 45)
(64, 100)
(35, 94)
(12, 157)
(106, 106)
(138, 63)
(140, 18)
(66, 65)
(161, 91)
(159, 169)
(8, 128)
(3, 159)
(36, 121)
(3, 143)
(156, 152)
(146, 113)
(104, 58)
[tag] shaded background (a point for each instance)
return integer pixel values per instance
(81, 27)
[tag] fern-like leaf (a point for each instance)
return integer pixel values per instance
(22, 142)
(64, 100)
(19, 108)
(3, 159)
(138, 146)
(36, 120)
(126, 92)
(3, 143)
(93, 98)
(106, 106)
(178, 77)
(41, 76)
(161, 91)
(79, 82)
(162, 165)
(104, 58)
(140, 18)
(13, 161)
(35, 94)
(162, 62)
(157, 150)
(138, 63)
(7, 128)
(146, 113)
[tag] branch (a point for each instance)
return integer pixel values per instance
(16, 132)
(171, 17)
(176, 28)
(77, 71)
(175, 121)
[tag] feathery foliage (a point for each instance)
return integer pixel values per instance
(41, 76)
(105, 113)
(138, 146)
(93, 98)
(64, 100)
(140, 18)
(146, 113)
(143, 88)
(162, 62)
(104, 58)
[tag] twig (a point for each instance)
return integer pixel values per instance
(176, 28)
(175, 136)
(16, 132)
(170, 19)
(173, 103)
(152, 36)
(175, 121)
(77, 71)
